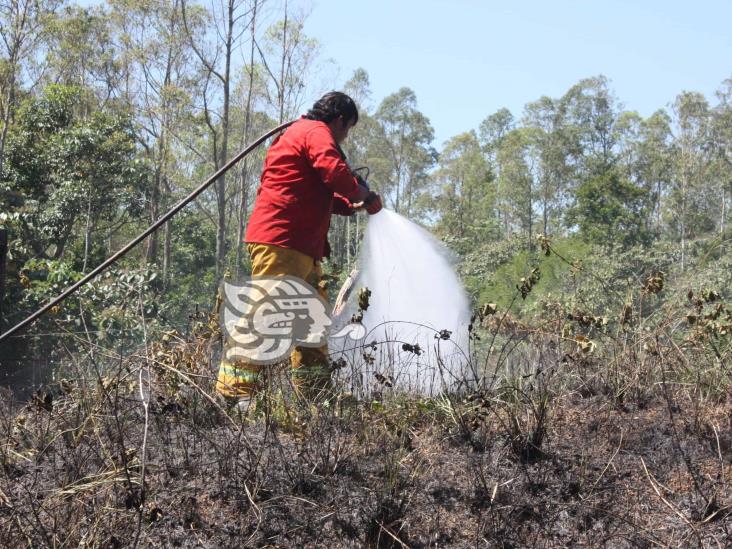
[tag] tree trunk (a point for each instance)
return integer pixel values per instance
(683, 234)
(87, 233)
(529, 221)
(4, 134)
(348, 243)
(224, 152)
(658, 209)
(167, 237)
(724, 210)
(151, 253)
(545, 208)
(9, 100)
(283, 75)
(167, 230)
(241, 221)
(3, 256)
(244, 188)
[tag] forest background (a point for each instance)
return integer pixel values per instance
(593, 241)
(111, 113)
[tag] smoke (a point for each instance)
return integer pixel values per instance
(415, 297)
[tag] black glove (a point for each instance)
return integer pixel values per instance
(362, 182)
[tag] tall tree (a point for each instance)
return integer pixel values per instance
(249, 84)
(404, 154)
(81, 51)
(590, 111)
(494, 128)
(722, 138)
(628, 137)
(22, 29)
(549, 143)
(516, 188)
(493, 131)
(346, 231)
(287, 54)
(688, 202)
(656, 159)
(465, 194)
(215, 51)
(159, 83)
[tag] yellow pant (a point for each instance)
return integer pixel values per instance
(311, 372)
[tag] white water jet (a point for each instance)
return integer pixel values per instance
(415, 294)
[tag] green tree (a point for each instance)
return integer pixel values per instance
(549, 143)
(722, 138)
(690, 203)
(465, 195)
(645, 158)
(516, 189)
(215, 52)
(82, 52)
(590, 112)
(160, 86)
(403, 154)
(493, 129)
(609, 210)
(655, 159)
(73, 179)
(22, 31)
(492, 132)
(287, 54)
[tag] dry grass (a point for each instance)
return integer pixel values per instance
(581, 432)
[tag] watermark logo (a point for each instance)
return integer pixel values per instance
(265, 317)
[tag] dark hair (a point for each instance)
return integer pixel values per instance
(331, 106)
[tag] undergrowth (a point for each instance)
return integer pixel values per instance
(587, 426)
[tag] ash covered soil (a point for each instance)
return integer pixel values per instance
(459, 472)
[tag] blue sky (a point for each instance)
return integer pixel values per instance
(467, 58)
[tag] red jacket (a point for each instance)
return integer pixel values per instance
(304, 181)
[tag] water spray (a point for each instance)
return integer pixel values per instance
(418, 313)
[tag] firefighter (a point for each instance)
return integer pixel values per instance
(305, 180)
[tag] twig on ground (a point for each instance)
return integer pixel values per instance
(668, 504)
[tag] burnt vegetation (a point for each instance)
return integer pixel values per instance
(584, 429)
(597, 412)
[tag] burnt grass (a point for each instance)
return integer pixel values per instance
(458, 471)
